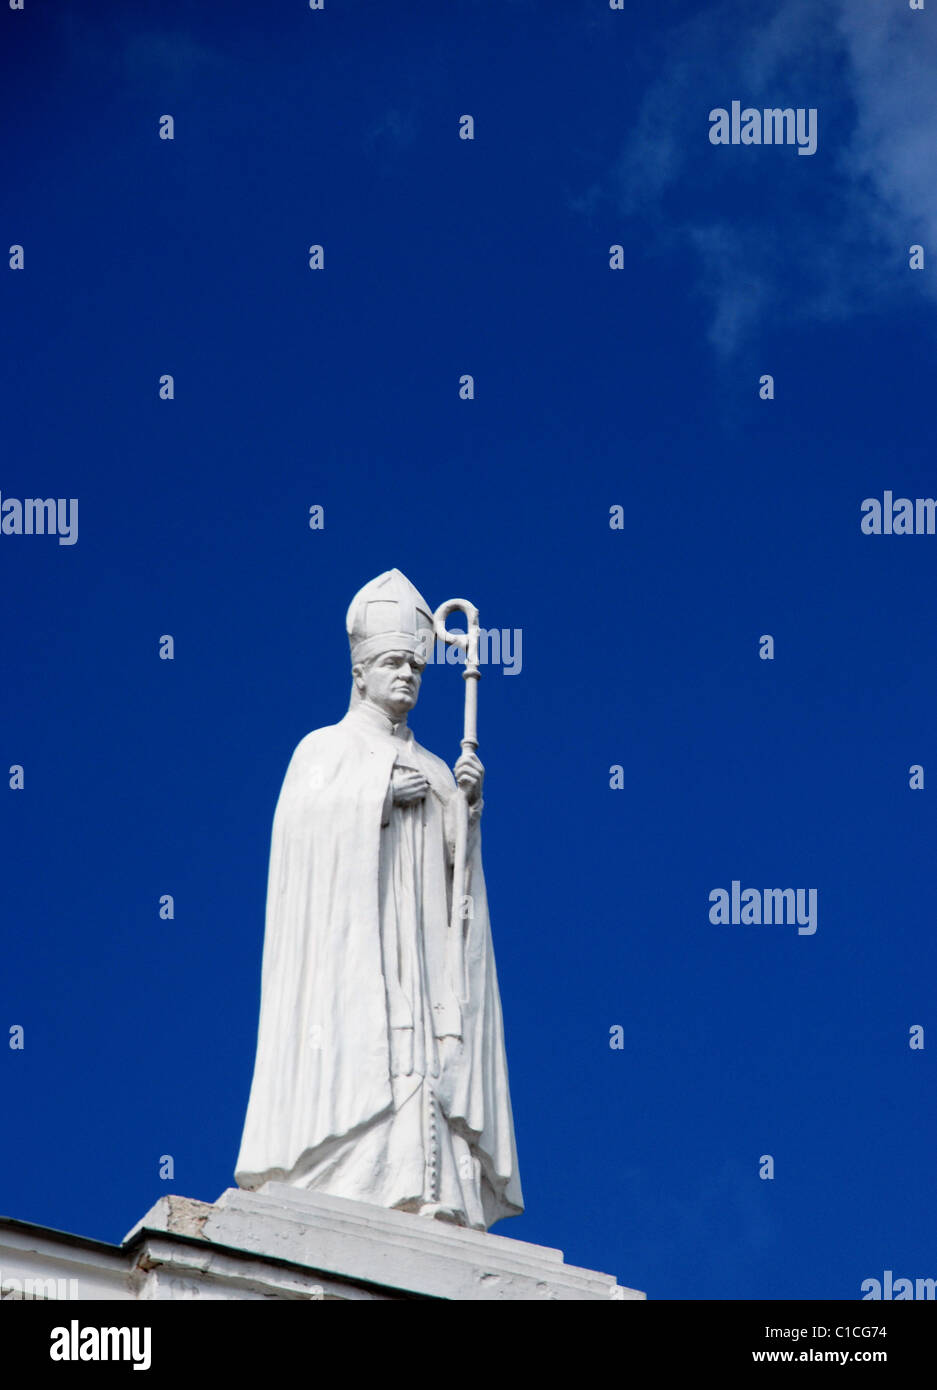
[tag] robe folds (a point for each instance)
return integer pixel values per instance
(371, 1043)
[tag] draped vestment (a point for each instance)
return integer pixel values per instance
(374, 1080)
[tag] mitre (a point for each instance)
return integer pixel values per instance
(389, 614)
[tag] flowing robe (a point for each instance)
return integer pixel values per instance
(373, 1079)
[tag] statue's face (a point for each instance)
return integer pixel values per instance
(391, 681)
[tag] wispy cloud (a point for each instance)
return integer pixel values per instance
(119, 52)
(815, 242)
(393, 131)
(892, 54)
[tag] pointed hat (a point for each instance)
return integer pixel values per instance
(389, 614)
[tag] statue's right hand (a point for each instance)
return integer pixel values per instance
(409, 786)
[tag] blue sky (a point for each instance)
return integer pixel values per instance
(593, 388)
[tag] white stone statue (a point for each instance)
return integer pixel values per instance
(380, 1073)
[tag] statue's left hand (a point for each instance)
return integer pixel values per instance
(469, 773)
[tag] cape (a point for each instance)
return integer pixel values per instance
(322, 1068)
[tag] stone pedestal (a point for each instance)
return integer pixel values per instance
(286, 1244)
(314, 1246)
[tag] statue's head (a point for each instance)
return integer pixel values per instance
(390, 680)
(390, 632)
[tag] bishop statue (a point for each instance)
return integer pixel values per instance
(380, 1073)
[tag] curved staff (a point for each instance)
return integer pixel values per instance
(468, 641)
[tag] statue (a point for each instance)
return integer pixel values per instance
(380, 1073)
